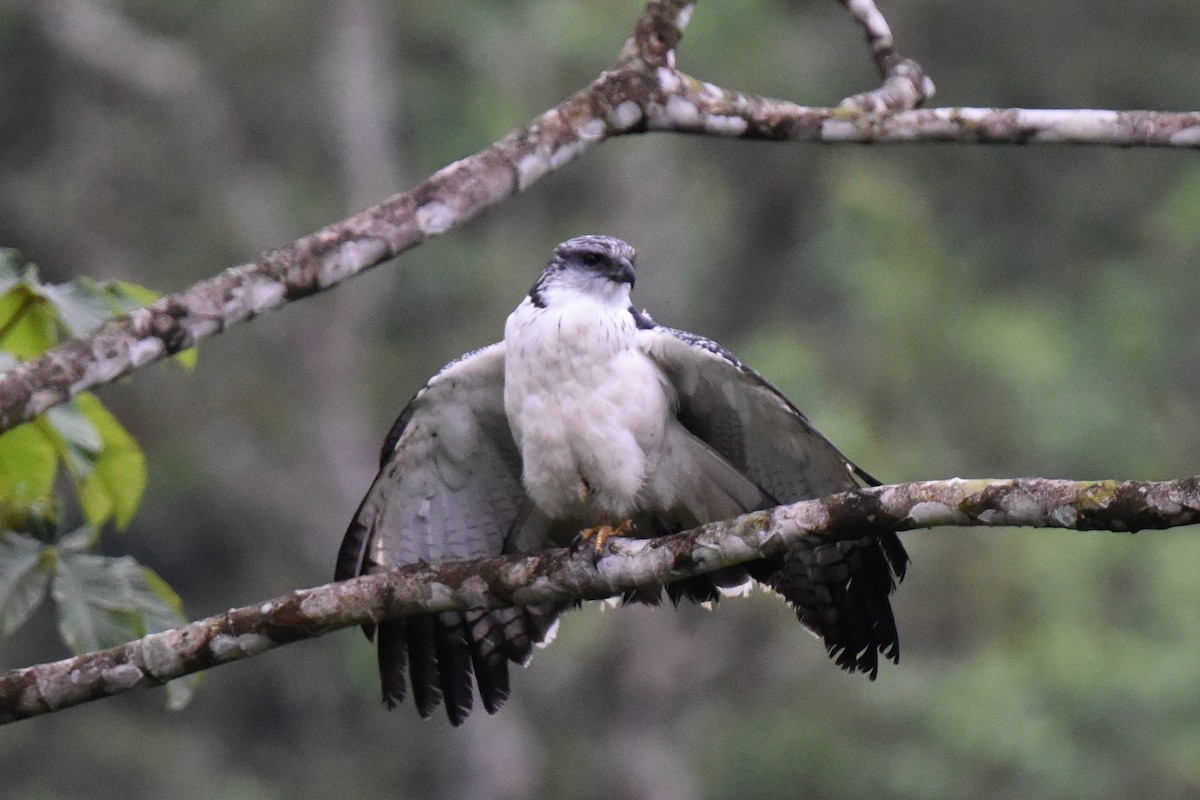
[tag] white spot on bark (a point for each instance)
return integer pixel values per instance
(1058, 125)
(440, 593)
(837, 130)
(318, 604)
(566, 153)
(668, 80)
(160, 654)
(122, 676)
(684, 16)
(683, 112)
(592, 130)
(727, 126)
(710, 91)
(530, 168)
(625, 115)
(350, 258)
(258, 295)
(203, 327)
(143, 351)
(435, 218)
(930, 513)
(1187, 136)
(474, 590)
(224, 646)
(1065, 516)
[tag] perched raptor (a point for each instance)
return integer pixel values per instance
(590, 417)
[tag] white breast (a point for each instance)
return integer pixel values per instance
(586, 406)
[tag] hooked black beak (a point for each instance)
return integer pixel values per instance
(625, 272)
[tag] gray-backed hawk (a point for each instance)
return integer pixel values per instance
(590, 416)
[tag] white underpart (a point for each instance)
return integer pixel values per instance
(587, 407)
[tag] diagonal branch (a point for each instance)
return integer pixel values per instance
(643, 93)
(557, 576)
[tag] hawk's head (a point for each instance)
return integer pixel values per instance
(601, 266)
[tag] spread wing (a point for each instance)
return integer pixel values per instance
(448, 489)
(840, 588)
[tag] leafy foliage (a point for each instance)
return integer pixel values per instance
(101, 600)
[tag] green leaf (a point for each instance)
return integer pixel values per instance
(29, 324)
(81, 305)
(78, 441)
(28, 465)
(114, 486)
(95, 600)
(124, 297)
(187, 358)
(103, 602)
(25, 567)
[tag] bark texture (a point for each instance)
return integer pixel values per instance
(559, 575)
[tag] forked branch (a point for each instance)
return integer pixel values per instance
(643, 92)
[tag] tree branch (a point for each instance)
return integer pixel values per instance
(557, 575)
(905, 84)
(645, 92)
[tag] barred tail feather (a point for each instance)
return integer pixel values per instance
(443, 651)
(840, 591)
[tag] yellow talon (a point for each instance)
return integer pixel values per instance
(602, 533)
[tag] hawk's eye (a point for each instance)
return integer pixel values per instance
(590, 259)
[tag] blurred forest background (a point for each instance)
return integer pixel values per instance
(937, 310)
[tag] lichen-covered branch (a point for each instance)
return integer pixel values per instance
(905, 84)
(644, 92)
(558, 575)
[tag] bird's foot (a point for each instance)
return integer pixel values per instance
(600, 534)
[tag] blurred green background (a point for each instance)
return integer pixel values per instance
(937, 310)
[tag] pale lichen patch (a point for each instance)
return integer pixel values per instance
(349, 259)
(625, 115)
(531, 167)
(668, 80)
(434, 218)
(318, 604)
(930, 513)
(122, 676)
(225, 647)
(1187, 136)
(592, 130)
(1066, 516)
(566, 153)
(725, 125)
(160, 654)
(684, 16)
(683, 112)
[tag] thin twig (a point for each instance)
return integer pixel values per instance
(905, 84)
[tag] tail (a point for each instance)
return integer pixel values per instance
(839, 590)
(443, 651)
